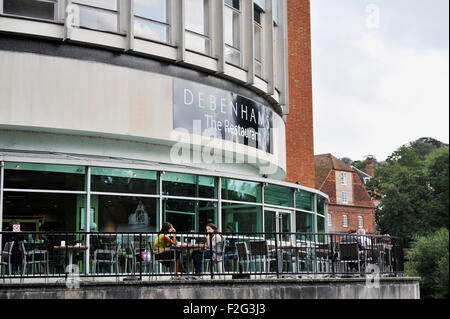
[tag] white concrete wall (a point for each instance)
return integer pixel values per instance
(66, 96)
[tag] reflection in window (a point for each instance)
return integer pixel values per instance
(243, 191)
(241, 218)
(115, 180)
(186, 185)
(320, 205)
(304, 200)
(258, 34)
(196, 17)
(126, 214)
(189, 215)
(98, 15)
(278, 195)
(304, 222)
(42, 212)
(232, 37)
(44, 176)
(151, 20)
(40, 9)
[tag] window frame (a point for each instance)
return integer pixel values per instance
(345, 221)
(56, 15)
(233, 48)
(167, 24)
(207, 27)
(344, 197)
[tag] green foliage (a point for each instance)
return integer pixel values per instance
(413, 185)
(429, 260)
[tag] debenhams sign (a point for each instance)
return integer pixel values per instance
(227, 115)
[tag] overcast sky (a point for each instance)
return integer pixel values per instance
(380, 75)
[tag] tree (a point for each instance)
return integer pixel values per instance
(429, 260)
(413, 184)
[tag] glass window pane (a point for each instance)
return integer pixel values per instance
(151, 9)
(181, 214)
(196, 16)
(30, 8)
(233, 3)
(304, 224)
(41, 211)
(151, 30)
(44, 176)
(232, 56)
(197, 43)
(232, 29)
(115, 180)
(186, 185)
(241, 218)
(304, 200)
(278, 195)
(126, 214)
(258, 43)
(243, 191)
(104, 4)
(320, 205)
(98, 19)
(189, 215)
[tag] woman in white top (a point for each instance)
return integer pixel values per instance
(214, 241)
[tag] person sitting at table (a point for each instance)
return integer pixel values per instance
(162, 247)
(365, 241)
(214, 241)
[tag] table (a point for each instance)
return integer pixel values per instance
(186, 247)
(70, 250)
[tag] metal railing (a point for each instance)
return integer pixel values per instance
(141, 256)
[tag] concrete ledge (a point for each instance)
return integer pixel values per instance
(332, 288)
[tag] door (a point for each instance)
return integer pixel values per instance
(277, 221)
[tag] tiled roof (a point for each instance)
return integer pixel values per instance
(324, 163)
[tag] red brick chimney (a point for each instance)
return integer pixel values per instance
(370, 167)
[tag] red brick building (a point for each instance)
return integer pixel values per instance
(350, 204)
(299, 127)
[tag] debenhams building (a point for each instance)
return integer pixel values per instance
(147, 111)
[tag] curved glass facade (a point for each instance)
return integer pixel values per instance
(41, 196)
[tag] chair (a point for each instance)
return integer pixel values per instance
(5, 259)
(217, 257)
(137, 255)
(164, 261)
(259, 250)
(349, 254)
(32, 257)
(242, 254)
(108, 254)
(323, 254)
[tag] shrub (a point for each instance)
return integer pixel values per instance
(429, 260)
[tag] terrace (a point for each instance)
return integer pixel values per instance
(46, 257)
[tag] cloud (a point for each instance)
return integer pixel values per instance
(372, 93)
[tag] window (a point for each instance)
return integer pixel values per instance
(304, 200)
(330, 220)
(186, 185)
(344, 221)
(243, 191)
(196, 17)
(278, 195)
(343, 178)
(40, 9)
(232, 17)
(360, 221)
(129, 181)
(344, 197)
(98, 15)
(258, 35)
(151, 20)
